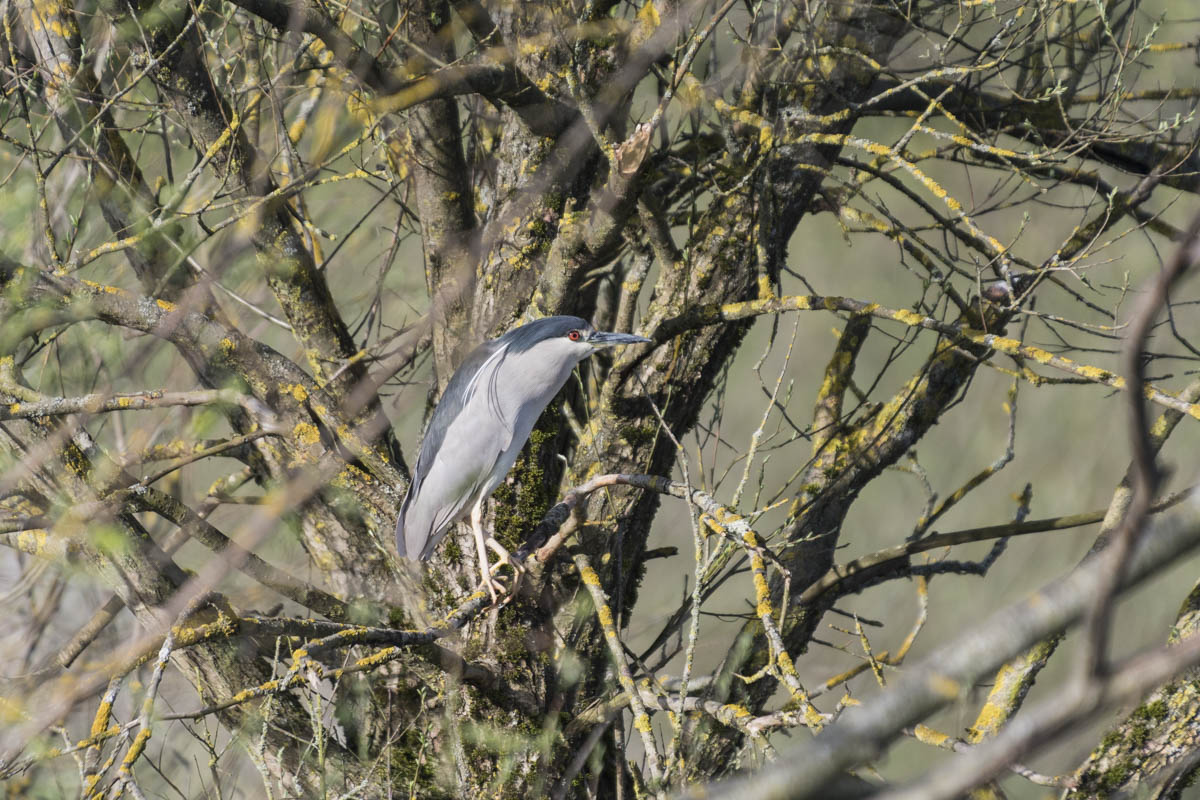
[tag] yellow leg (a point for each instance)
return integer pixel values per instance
(485, 568)
(507, 559)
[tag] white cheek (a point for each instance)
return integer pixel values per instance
(567, 349)
(543, 372)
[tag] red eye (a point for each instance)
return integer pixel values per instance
(574, 336)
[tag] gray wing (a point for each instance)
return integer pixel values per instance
(451, 468)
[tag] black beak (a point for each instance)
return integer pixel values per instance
(605, 339)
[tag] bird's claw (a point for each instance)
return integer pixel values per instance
(496, 584)
(497, 589)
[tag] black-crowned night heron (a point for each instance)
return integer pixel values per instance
(480, 425)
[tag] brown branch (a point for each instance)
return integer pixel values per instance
(987, 112)
(497, 80)
(139, 401)
(1037, 727)
(395, 643)
(84, 115)
(715, 313)
(927, 735)
(296, 397)
(306, 17)
(225, 447)
(1155, 744)
(443, 203)
(641, 721)
(1144, 473)
(839, 372)
(938, 680)
(888, 556)
(298, 285)
(146, 498)
(499, 83)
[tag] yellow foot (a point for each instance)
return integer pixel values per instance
(494, 581)
(497, 589)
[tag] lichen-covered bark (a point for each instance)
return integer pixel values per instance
(846, 461)
(287, 263)
(1155, 745)
(295, 402)
(445, 201)
(147, 582)
(126, 202)
(1014, 680)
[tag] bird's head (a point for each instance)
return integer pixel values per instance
(564, 338)
(589, 340)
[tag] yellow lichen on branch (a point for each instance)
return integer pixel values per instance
(710, 314)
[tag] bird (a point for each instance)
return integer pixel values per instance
(479, 426)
